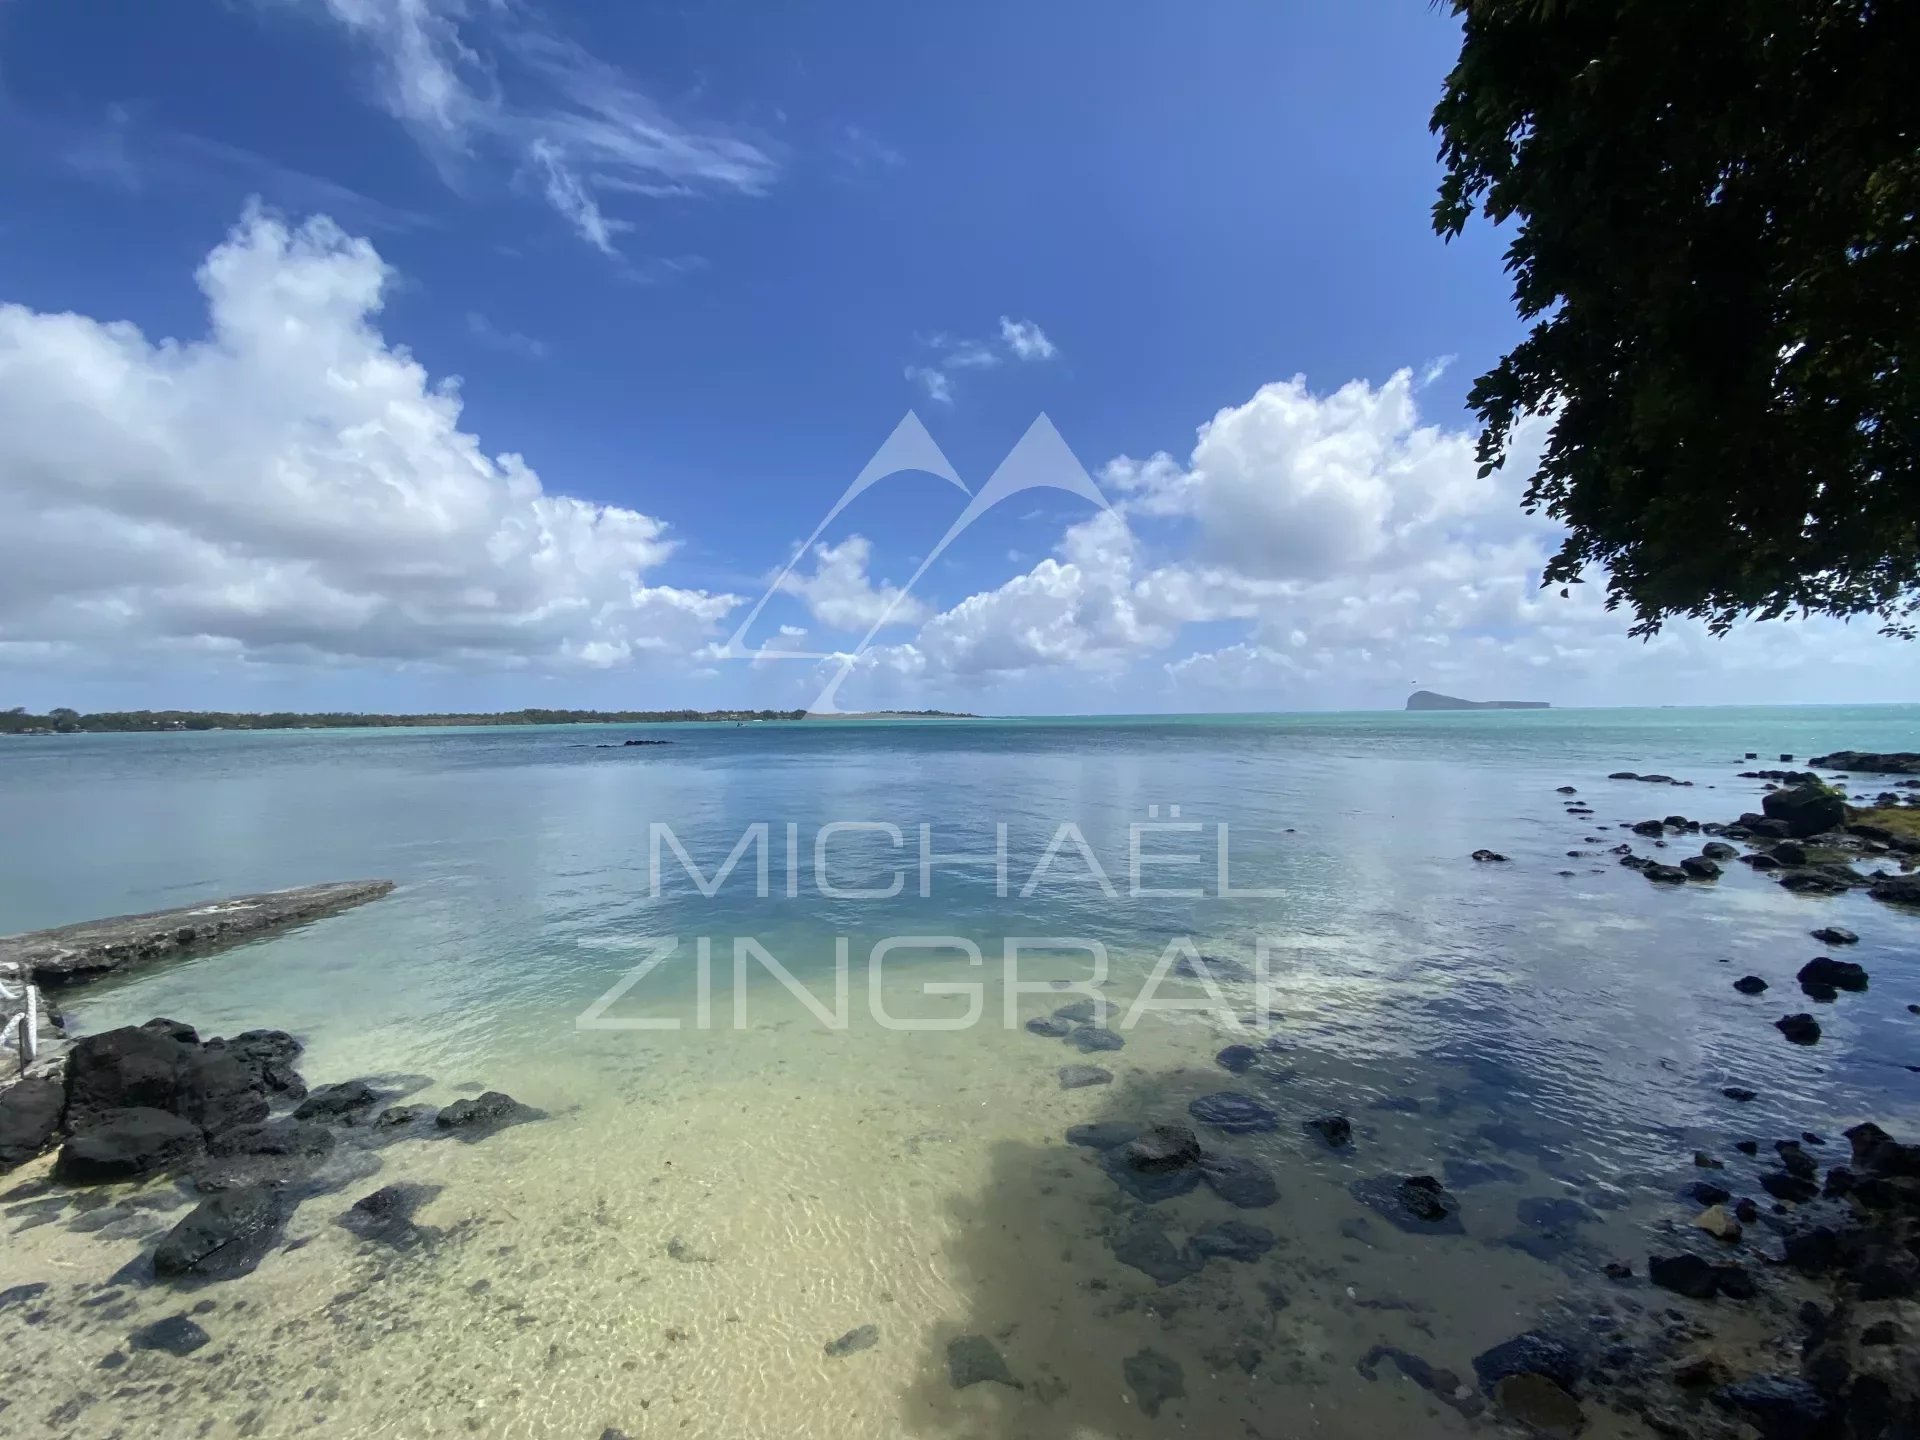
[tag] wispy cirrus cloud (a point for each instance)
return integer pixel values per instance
(480, 83)
(1019, 340)
(126, 149)
(507, 342)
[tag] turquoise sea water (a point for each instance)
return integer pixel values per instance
(1578, 1026)
(523, 858)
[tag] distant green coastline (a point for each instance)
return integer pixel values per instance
(19, 721)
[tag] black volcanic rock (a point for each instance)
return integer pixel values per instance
(1901, 762)
(1805, 809)
(481, 1116)
(30, 1114)
(125, 1145)
(224, 1236)
(1838, 974)
(1417, 1203)
(1801, 1029)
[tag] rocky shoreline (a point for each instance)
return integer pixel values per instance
(234, 1127)
(1827, 1242)
(70, 954)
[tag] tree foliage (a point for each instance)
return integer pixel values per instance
(1714, 237)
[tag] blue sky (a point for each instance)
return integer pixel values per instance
(693, 265)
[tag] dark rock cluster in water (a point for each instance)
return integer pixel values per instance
(233, 1124)
(1082, 1024)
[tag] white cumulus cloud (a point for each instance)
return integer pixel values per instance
(1354, 551)
(292, 486)
(840, 594)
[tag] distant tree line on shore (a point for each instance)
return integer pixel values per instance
(62, 721)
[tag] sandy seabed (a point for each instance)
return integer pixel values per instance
(673, 1249)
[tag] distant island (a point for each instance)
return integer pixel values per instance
(1427, 700)
(70, 722)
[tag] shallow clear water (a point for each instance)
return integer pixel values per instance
(1569, 1034)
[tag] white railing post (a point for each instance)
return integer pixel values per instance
(30, 1027)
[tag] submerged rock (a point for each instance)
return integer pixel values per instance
(1835, 935)
(223, 1237)
(338, 1102)
(175, 1335)
(386, 1216)
(1050, 1027)
(404, 1117)
(973, 1360)
(1237, 1059)
(1157, 1166)
(1093, 1039)
(1234, 1240)
(1443, 1385)
(1104, 1134)
(1154, 1379)
(1144, 1246)
(1489, 856)
(1161, 1148)
(1530, 1353)
(1698, 867)
(1750, 985)
(1336, 1130)
(479, 1117)
(1699, 1279)
(1234, 1113)
(854, 1341)
(1218, 968)
(1080, 1077)
(1242, 1183)
(1544, 1408)
(1780, 1407)
(1416, 1203)
(272, 1153)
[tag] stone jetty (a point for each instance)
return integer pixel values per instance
(73, 953)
